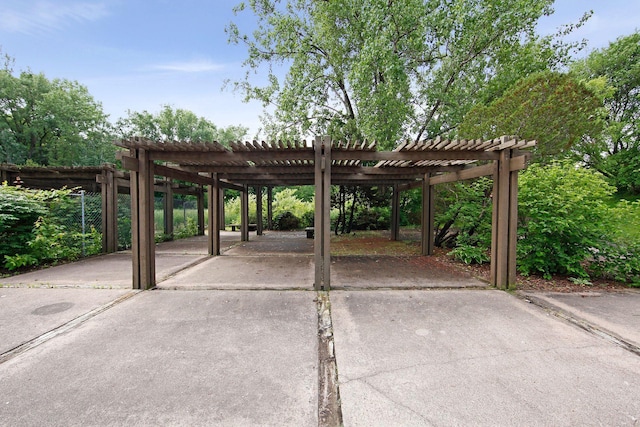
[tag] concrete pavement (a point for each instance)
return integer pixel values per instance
(450, 352)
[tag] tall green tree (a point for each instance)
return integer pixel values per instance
(50, 122)
(383, 70)
(176, 124)
(555, 109)
(616, 151)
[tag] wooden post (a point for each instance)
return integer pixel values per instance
(326, 214)
(221, 209)
(269, 208)
(214, 216)
(168, 209)
(500, 222)
(427, 216)
(109, 192)
(142, 222)
(244, 213)
(395, 213)
(322, 219)
(259, 210)
(513, 228)
(200, 201)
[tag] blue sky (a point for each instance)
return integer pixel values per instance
(141, 54)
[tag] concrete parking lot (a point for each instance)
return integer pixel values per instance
(234, 340)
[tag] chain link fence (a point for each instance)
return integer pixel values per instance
(84, 217)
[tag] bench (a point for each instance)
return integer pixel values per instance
(309, 231)
(252, 227)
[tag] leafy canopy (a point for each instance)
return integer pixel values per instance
(50, 122)
(555, 109)
(176, 124)
(388, 69)
(616, 151)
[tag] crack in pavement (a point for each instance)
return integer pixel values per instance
(329, 405)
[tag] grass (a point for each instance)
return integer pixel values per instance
(372, 243)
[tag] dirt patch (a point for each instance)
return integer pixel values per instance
(379, 243)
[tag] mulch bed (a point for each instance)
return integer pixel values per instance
(378, 243)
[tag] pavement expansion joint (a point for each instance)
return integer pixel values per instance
(580, 323)
(329, 404)
(74, 323)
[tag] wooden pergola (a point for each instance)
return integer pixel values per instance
(322, 164)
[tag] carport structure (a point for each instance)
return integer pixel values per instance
(323, 163)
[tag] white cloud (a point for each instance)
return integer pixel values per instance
(190, 66)
(46, 16)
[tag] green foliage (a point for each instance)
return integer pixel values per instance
(619, 262)
(288, 201)
(19, 210)
(372, 218)
(50, 122)
(383, 70)
(178, 124)
(562, 215)
(36, 230)
(614, 152)
(463, 213)
(554, 109)
(188, 229)
(286, 221)
(470, 254)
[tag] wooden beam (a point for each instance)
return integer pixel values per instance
(428, 208)
(515, 164)
(414, 155)
(213, 193)
(142, 222)
(244, 213)
(200, 203)
(269, 208)
(326, 213)
(258, 190)
(168, 209)
(395, 213)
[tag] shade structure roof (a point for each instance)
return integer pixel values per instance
(292, 163)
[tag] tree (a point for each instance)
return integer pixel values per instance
(614, 152)
(50, 122)
(178, 124)
(555, 109)
(389, 69)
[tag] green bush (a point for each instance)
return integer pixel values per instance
(48, 238)
(19, 211)
(372, 218)
(470, 254)
(562, 215)
(286, 221)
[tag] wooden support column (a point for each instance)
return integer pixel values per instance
(214, 216)
(322, 220)
(244, 214)
(269, 208)
(221, 209)
(142, 222)
(427, 216)
(395, 213)
(200, 202)
(503, 228)
(168, 208)
(259, 210)
(109, 190)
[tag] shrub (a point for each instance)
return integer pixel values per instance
(286, 221)
(373, 218)
(561, 218)
(19, 211)
(470, 254)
